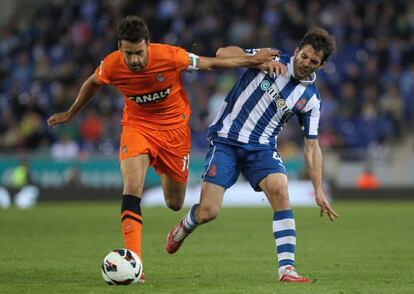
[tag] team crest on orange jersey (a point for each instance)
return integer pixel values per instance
(159, 77)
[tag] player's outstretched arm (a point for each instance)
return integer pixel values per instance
(88, 89)
(230, 51)
(313, 159)
(271, 67)
(243, 60)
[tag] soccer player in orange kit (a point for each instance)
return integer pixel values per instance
(155, 129)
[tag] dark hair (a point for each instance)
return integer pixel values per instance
(132, 29)
(320, 40)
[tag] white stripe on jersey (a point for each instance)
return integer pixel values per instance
(228, 120)
(220, 112)
(259, 109)
(315, 114)
(264, 138)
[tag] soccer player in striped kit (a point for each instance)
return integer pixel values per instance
(243, 139)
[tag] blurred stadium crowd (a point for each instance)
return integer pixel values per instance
(367, 88)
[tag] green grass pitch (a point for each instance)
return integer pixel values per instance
(59, 247)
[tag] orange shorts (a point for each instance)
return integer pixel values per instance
(169, 150)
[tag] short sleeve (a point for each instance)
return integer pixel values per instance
(309, 121)
(251, 51)
(182, 59)
(102, 73)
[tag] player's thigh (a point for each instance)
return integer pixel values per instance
(257, 165)
(174, 192)
(135, 142)
(133, 171)
(173, 156)
(220, 165)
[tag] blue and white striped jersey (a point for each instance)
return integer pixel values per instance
(257, 107)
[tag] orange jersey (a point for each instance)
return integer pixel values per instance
(154, 96)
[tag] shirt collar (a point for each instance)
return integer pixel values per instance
(307, 81)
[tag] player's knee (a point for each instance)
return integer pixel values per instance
(279, 193)
(174, 204)
(133, 187)
(207, 214)
(174, 199)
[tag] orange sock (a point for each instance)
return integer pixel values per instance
(131, 219)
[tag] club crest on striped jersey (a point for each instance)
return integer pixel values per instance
(300, 104)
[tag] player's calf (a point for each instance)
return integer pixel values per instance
(207, 214)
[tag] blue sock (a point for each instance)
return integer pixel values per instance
(284, 232)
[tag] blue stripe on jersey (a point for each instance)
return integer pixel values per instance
(272, 140)
(305, 122)
(318, 95)
(231, 98)
(309, 92)
(304, 118)
(262, 123)
(268, 115)
(245, 112)
(288, 89)
(284, 58)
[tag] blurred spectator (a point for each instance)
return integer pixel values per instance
(391, 104)
(91, 130)
(65, 148)
(45, 54)
(367, 180)
(22, 181)
(5, 200)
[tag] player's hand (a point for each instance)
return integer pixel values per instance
(266, 55)
(274, 68)
(58, 118)
(325, 207)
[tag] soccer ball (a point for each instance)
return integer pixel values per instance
(121, 267)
